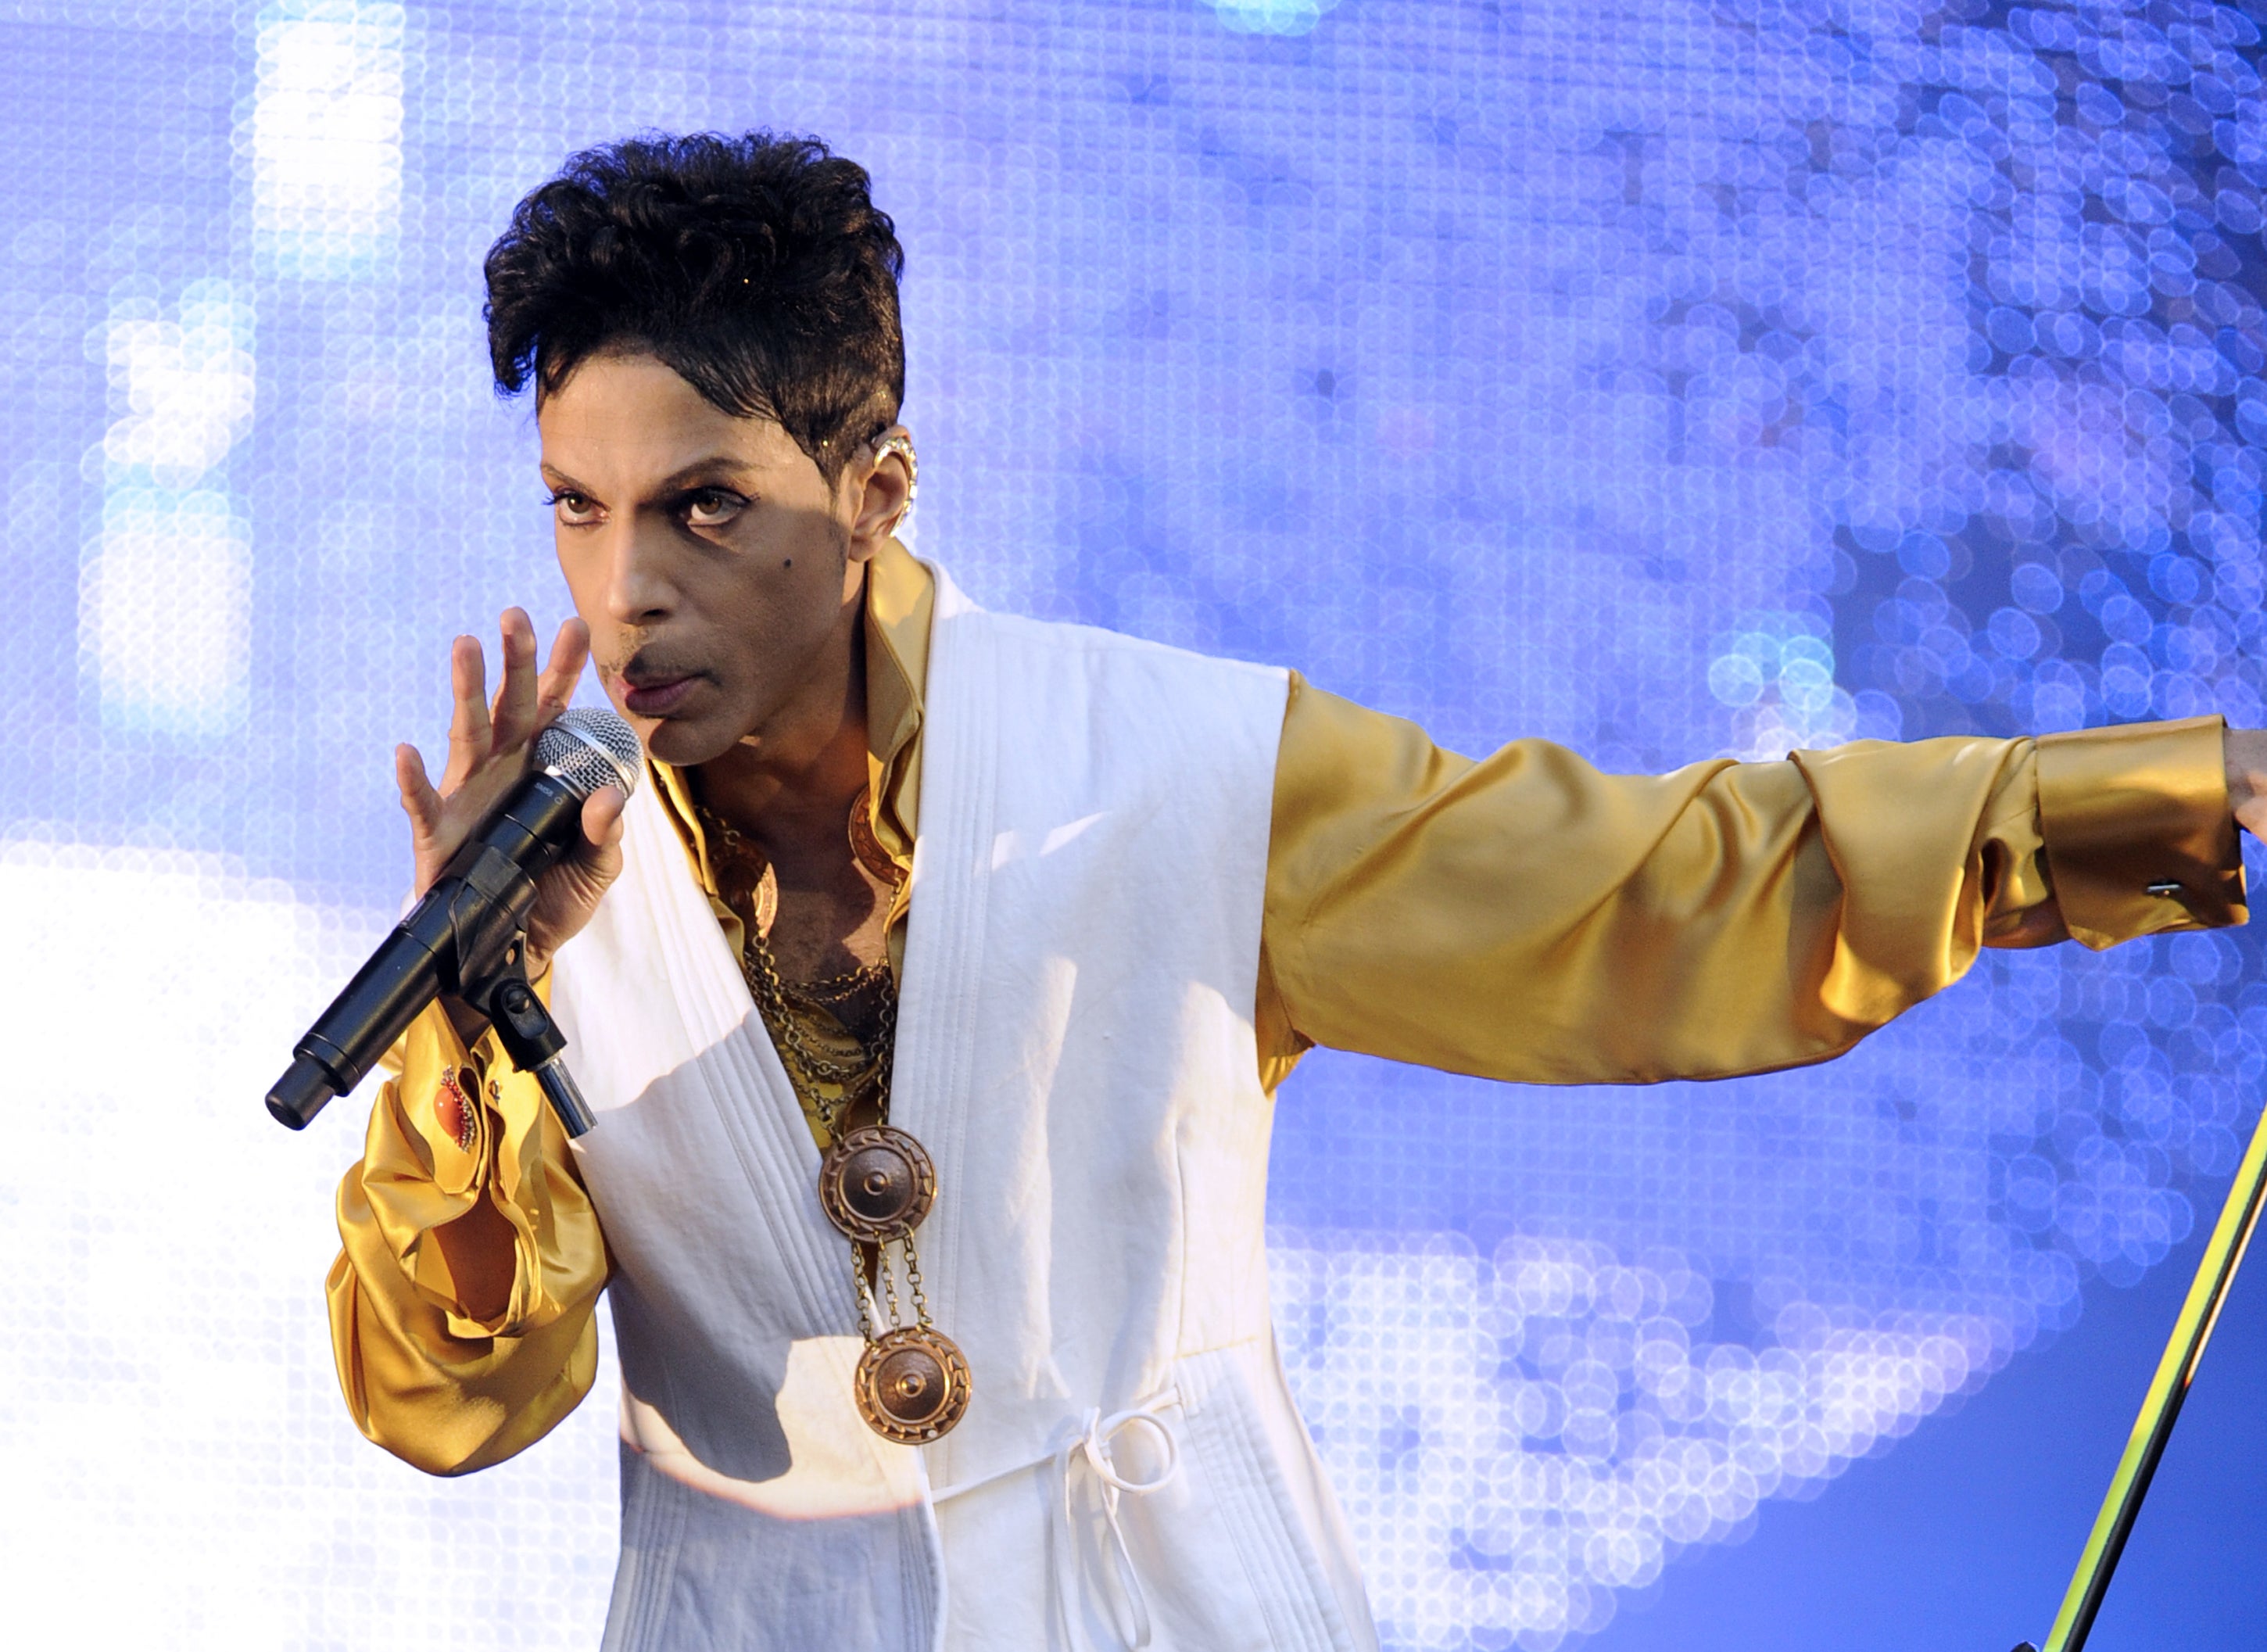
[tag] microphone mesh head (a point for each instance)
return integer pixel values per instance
(587, 748)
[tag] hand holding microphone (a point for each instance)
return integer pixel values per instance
(513, 853)
(488, 755)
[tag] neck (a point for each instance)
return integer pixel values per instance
(789, 785)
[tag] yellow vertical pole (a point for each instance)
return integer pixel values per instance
(2239, 1215)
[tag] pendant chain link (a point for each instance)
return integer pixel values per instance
(808, 1069)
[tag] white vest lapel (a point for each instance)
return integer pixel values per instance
(683, 998)
(945, 929)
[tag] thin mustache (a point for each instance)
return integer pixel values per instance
(651, 662)
(647, 666)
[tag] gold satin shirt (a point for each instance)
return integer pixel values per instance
(1520, 917)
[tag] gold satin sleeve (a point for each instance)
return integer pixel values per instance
(462, 1300)
(1527, 917)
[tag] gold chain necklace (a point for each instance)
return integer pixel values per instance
(875, 1182)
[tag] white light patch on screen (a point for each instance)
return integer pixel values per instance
(165, 599)
(166, 611)
(1776, 674)
(166, 1390)
(1516, 1438)
(1271, 17)
(188, 382)
(327, 137)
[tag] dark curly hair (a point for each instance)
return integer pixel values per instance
(757, 267)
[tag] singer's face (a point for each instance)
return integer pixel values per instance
(716, 569)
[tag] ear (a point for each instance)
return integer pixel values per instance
(882, 494)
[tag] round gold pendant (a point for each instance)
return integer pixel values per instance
(876, 1183)
(912, 1384)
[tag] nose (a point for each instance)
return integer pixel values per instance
(640, 589)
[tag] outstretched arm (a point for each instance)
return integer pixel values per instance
(1526, 917)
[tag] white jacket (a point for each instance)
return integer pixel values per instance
(1075, 1050)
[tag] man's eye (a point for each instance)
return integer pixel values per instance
(712, 507)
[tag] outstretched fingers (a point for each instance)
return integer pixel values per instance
(482, 730)
(515, 717)
(571, 651)
(471, 735)
(419, 801)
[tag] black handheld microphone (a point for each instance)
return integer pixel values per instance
(466, 935)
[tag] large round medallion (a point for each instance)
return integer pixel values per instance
(876, 1183)
(912, 1384)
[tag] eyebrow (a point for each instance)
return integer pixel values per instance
(720, 467)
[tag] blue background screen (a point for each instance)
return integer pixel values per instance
(1667, 379)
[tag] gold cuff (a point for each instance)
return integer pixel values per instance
(2139, 835)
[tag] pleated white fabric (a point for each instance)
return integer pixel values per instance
(1075, 1050)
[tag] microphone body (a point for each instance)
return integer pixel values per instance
(466, 936)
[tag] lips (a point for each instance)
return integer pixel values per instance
(657, 696)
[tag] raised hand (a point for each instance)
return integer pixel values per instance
(488, 752)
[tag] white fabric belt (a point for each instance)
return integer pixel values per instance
(1089, 1449)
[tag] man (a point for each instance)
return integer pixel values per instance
(934, 993)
